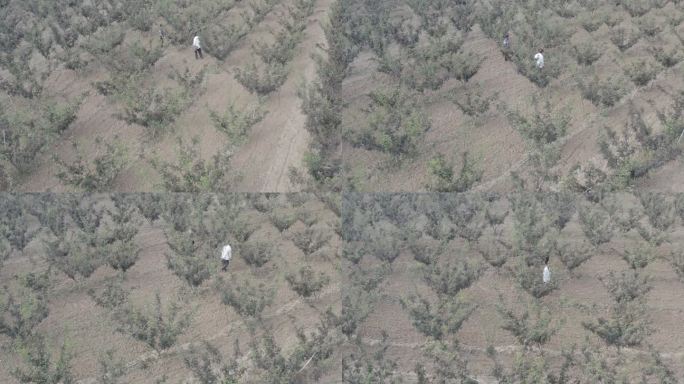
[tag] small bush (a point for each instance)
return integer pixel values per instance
(642, 72)
(191, 173)
(307, 283)
(629, 325)
(574, 256)
(596, 225)
(668, 58)
(451, 278)
(77, 257)
(624, 38)
(531, 327)
(462, 66)
(41, 366)
(220, 40)
(311, 239)
(257, 253)
(471, 103)
(544, 127)
(650, 26)
(627, 286)
(236, 123)
(112, 296)
(282, 220)
(605, 93)
(444, 178)
(247, 300)
(185, 259)
(154, 109)
(262, 81)
(208, 366)
(99, 176)
(587, 53)
(395, 124)
(159, 328)
(592, 21)
(121, 255)
(440, 320)
(677, 262)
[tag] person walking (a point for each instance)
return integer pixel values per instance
(539, 58)
(546, 275)
(198, 47)
(507, 46)
(162, 35)
(226, 255)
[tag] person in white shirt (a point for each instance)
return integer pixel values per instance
(507, 46)
(546, 276)
(198, 47)
(539, 58)
(162, 34)
(226, 255)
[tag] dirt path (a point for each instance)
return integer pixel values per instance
(280, 140)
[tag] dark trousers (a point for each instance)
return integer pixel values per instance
(225, 264)
(198, 53)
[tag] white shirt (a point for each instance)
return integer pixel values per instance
(547, 274)
(226, 252)
(196, 43)
(539, 58)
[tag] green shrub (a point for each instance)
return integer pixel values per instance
(237, 123)
(282, 50)
(395, 124)
(307, 283)
(628, 286)
(107, 164)
(154, 109)
(41, 366)
(530, 327)
(111, 369)
(629, 325)
(624, 38)
(668, 58)
(122, 255)
(471, 103)
(221, 40)
(311, 239)
(283, 220)
(104, 40)
(208, 366)
(451, 278)
(19, 318)
(158, 328)
(605, 93)
(596, 225)
(544, 127)
(112, 296)
(444, 178)
(247, 300)
(572, 256)
(193, 174)
(440, 320)
(587, 53)
(462, 66)
(677, 262)
(592, 21)
(642, 71)
(187, 260)
(650, 26)
(258, 253)
(262, 81)
(636, 8)
(77, 257)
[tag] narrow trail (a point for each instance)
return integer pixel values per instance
(280, 140)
